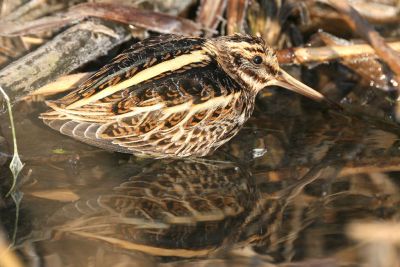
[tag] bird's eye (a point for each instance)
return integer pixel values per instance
(257, 60)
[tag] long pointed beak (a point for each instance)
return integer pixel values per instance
(287, 81)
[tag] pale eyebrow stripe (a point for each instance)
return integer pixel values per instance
(247, 46)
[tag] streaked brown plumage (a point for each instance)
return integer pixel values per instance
(172, 96)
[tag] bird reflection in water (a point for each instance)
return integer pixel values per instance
(175, 209)
(179, 208)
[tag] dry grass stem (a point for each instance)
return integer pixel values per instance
(304, 55)
(210, 14)
(236, 16)
(362, 27)
(62, 84)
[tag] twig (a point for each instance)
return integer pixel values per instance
(236, 13)
(303, 55)
(17, 198)
(64, 53)
(16, 165)
(210, 14)
(377, 12)
(146, 19)
(362, 27)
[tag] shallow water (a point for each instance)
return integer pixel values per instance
(284, 190)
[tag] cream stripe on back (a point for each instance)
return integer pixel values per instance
(146, 74)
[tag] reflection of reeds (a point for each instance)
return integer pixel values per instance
(335, 210)
(7, 257)
(379, 242)
(16, 164)
(362, 188)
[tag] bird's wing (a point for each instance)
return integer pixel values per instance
(135, 65)
(153, 113)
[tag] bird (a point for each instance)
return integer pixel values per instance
(172, 96)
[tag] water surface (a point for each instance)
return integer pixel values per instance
(284, 190)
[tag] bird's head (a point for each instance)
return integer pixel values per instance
(249, 60)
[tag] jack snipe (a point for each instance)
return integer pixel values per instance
(172, 96)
